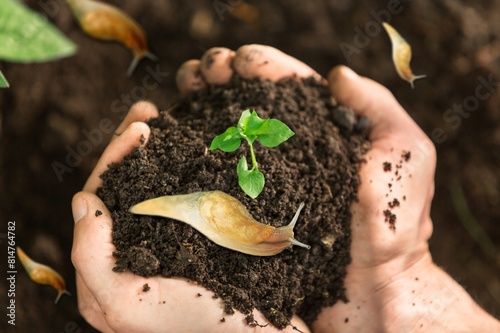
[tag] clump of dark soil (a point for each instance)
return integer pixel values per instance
(318, 166)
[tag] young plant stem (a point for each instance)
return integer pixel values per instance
(252, 155)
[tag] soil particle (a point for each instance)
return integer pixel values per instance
(318, 166)
(387, 166)
(394, 203)
(390, 218)
(406, 156)
(98, 213)
(146, 288)
(210, 59)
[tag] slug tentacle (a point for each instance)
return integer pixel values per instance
(224, 220)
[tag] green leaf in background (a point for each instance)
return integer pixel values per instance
(3, 81)
(26, 36)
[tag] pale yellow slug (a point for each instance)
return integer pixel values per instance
(224, 220)
(401, 55)
(105, 22)
(42, 274)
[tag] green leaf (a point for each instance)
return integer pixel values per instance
(3, 81)
(26, 36)
(251, 181)
(274, 133)
(255, 124)
(228, 141)
(242, 123)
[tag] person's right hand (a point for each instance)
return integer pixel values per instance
(392, 284)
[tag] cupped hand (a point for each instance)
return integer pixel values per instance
(116, 302)
(391, 221)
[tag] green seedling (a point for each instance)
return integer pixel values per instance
(269, 132)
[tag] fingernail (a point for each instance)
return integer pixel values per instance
(79, 208)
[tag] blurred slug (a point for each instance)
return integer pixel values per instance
(105, 22)
(224, 220)
(43, 274)
(401, 55)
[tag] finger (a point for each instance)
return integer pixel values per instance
(140, 111)
(216, 65)
(89, 308)
(135, 135)
(189, 78)
(368, 98)
(267, 62)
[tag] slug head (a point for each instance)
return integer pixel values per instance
(283, 237)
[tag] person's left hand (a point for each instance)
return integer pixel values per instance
(115, 302)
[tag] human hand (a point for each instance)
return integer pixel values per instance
(392, 284)
(385, 257)
(115, 302)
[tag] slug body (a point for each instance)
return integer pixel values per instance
(105, 22)
(224, 220)
(401, 55)
(42, 274)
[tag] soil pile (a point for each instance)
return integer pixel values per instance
(317, 166)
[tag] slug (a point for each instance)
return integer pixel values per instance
(42, 274)
(401, 55)
(224, 220)
(105, 22)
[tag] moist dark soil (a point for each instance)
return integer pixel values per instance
(317, 166)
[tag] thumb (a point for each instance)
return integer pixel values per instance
(92, 252)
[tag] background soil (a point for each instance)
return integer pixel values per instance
(47, 108)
